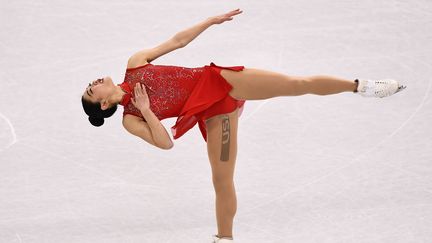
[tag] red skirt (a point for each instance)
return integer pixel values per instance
(209, 98)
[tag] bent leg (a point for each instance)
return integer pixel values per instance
(256, 84)
(222, 153)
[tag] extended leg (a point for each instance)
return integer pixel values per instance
(222, 153)
(256, 84)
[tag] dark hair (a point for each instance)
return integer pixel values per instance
(95, 113)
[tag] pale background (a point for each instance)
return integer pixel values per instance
(339, 168)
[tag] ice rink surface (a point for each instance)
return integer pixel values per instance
(338, 168)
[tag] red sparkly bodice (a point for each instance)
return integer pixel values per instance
(168, 88)
(193, 95)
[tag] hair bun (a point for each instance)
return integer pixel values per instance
(97, 122)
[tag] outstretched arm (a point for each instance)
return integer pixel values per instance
(186, 36)
(180, 39)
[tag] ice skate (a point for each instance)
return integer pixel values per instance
(378, 88)
(216, 239)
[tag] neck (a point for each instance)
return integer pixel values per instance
(118, 94)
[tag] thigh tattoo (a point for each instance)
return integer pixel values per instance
(225, 138)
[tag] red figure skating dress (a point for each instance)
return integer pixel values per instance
(190, 94)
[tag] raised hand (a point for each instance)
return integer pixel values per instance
(141, 100)
(225, 17)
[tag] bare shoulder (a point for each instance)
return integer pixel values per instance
(138, 127)
(148, 55)
(136, 61)
(131, 120)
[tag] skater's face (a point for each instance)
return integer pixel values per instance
(99, 89)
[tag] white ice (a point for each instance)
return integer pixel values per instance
(338, 168)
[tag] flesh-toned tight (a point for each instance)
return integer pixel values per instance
(257, 84)
(252, 84)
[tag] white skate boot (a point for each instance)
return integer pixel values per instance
(378, 88)
(216, 239)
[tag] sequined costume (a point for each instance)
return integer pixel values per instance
(190, 94)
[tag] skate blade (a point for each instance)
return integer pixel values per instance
(400, 88)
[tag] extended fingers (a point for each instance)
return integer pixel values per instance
(138, 89)
(229, 16)
(234, 12)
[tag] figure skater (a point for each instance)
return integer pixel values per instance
(212, 96)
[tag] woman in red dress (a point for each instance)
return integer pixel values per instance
(212, 96)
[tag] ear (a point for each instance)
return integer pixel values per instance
(104, 105)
